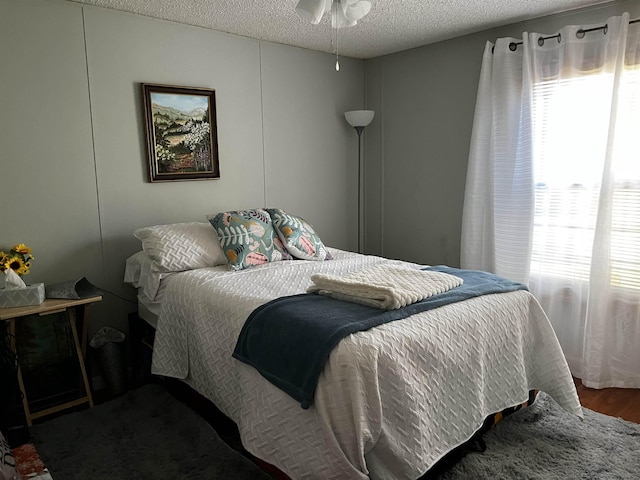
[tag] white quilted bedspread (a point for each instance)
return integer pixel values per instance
(390, 402)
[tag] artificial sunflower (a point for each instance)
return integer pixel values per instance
(17, 265)
(18, 259)
(21, 248)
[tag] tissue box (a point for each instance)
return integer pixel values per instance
(22, 297)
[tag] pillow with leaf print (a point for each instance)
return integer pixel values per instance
(298, 236)
(247, 238)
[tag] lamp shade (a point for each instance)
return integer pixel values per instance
(359, 118)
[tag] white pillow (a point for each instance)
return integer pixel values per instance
(182, 246)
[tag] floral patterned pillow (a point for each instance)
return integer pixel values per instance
(247, 238)
(298, 236)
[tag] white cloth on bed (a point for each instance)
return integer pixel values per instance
(388, 287)
(390, 402)
(142, 272)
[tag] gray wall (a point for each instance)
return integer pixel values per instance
(73, 153)
(418, 145)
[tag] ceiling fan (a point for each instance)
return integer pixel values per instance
(344, 13)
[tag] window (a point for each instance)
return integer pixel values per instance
(571, 129)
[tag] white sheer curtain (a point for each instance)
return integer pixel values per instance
(553, 187)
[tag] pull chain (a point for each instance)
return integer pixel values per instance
(337, 62)
(334, 25)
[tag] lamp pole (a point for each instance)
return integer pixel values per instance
(360, 129)
(359, 119)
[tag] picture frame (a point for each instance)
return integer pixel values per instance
(181, 132)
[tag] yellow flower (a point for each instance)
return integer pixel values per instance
(17, 265)
(19, 259)
(21, 248)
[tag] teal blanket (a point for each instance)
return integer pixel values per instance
(289, 339)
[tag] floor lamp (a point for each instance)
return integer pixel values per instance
(359, 119)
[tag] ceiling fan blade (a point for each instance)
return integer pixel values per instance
(354, 10)
(311, 10)
(338, 18)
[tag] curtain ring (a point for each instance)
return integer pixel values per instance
(606, 28)
(559, 37)
(513, 46)
(541, 41)
(580, 33)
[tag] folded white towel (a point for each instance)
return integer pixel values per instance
(388, 287)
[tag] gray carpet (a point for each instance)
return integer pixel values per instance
(144, 434)
(544, 442)
(148, 434)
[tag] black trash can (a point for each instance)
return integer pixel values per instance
(108, 346)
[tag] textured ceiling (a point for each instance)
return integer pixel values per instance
(391, 26)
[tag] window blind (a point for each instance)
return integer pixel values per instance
(571, 138)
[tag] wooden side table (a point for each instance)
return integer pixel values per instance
(74, 309)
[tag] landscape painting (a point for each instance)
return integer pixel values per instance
(181, 132)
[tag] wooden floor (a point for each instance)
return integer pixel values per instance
(617, 402)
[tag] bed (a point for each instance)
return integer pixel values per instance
(390, 402)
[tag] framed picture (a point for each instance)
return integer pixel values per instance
(182, 139)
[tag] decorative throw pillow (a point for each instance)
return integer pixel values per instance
(181, 246)
(247, 238)
(298, 236)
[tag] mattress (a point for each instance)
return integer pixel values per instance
(390, 402)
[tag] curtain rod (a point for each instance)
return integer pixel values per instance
(580, 34)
